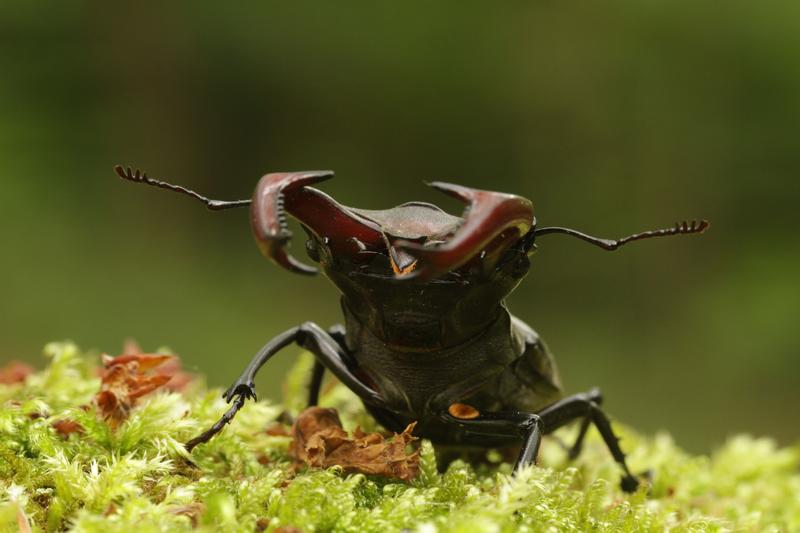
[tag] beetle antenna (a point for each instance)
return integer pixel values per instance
(683, 228)
(140, 177)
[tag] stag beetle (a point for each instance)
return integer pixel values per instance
(427, 335)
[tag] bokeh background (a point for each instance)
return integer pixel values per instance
(613, 117)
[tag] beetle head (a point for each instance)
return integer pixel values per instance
(415, 242)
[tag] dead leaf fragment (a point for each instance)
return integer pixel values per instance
(319, 441)
(14, 372)
(126, 379)
(67, 427)
(181, 379)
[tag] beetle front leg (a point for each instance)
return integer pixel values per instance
(310, 336)
(244, 387)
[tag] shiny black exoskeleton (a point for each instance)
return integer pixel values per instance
(426, 336)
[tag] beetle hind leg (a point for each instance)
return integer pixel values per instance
(574, 451)
(586, 407)
(530, 427)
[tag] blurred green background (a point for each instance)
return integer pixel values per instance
(613, 117)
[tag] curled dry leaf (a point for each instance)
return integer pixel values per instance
(67, 427)
(181, 379)
(319, 441)
(14, 372)
(126, 379)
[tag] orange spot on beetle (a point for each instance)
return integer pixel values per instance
(463, 411)
(402, 271)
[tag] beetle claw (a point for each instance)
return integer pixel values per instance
(629, 483)
(244, 390)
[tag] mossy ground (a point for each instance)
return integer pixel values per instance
(139, 478)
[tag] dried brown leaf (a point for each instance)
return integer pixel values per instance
(180, 379)
(166, 365)
(15, 372)
(126, 379)
(319, 441)
(67, 427)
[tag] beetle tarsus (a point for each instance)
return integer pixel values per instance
(204, 437)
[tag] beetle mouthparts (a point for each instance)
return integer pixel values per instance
(268, 215)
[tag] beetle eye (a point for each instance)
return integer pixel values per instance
(312, 250)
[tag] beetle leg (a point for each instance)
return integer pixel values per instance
(527, 426)
(530, 427)
(309, 336)
(337, 333)
(315, 384)
(489, 217)
(597, 397)
(584, 406)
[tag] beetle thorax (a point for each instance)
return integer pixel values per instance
(422, 315)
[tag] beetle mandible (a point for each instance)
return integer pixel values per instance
(427, 336)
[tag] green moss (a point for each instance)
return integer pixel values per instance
(140, 478)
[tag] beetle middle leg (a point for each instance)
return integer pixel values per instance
(327, 350)
(530, 427)
(337, 333)
(527, 426)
